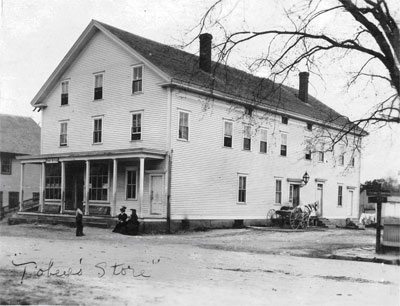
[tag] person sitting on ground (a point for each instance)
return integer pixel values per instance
(120, 227)
(79, 222)
(132, 224)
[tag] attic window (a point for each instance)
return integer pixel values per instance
(137, 79)
(64, 92)
(285, 120)
(98, 86)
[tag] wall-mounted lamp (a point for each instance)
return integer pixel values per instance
(306, 178)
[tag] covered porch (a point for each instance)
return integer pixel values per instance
(100, 182)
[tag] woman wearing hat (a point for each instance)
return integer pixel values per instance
(121, 223)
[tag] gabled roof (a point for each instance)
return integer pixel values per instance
(182, 67)
(19, 135)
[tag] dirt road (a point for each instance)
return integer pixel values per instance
(227, 267)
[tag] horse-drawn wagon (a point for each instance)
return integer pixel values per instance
(296, 217)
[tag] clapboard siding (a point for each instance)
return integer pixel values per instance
(101, 54)
(205, 174)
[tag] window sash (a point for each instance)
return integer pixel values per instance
(98, 80)
(247, 138)
(64, 92)
(278, 191)
(242, 189)
(183, 126)
(98, 182)
(6, 165)
(53, 182)
(97, 131)
(131, 184)
(136, 131)
(228, 131)
(63, 134)
(340, 195)
(263, 141)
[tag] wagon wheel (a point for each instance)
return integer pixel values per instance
(271, 217)
(305, 220)
(296, 218)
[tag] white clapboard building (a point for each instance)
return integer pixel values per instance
(127, 121)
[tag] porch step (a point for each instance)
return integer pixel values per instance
(69, 220)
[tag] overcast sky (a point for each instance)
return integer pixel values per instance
(35, 36)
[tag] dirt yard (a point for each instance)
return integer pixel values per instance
(41, 264)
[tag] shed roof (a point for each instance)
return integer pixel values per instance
(19, 135)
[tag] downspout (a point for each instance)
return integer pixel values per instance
(169, 158)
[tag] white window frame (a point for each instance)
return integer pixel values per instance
(64, 123)
(102, 129)
(67, 91)
(263, 130)
(224, 133)
(246, 132)
(340, 196)
(241, 175)
(278, 191)
(137, 79)
(141, 125)
(180, 111)
(321, 156)
(284, 136)
(108, 184)
(102, 86)
(126, 183)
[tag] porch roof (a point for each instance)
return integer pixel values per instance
(95, 155)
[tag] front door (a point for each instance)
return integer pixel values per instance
(351, 203)
(294, 194)
(320, 197)
(74, 181)
(156, 194)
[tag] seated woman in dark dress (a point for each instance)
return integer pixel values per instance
(133, 224)
(120, 227)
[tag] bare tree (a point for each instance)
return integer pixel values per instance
(373, 37)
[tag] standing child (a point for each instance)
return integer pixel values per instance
(79, 222)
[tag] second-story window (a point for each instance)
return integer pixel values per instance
(247, 137)
(183, 132)
(136, 132)
(309, 126)
(285, 120)
(64, 92)
(97, 130)
(341, 159)
(352, 162)
(263, 141)
(63, 134)
(137, 79)
(98, 86)
(321, 156)
(308, 154)
(228, 133)
(283, 144)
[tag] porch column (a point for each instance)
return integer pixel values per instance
(141, 186)
(87, 176)
(114, 190)
(21, 188)
(42, 188)
(62, 187)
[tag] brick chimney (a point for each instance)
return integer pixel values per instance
(205, 52)
(303, 86)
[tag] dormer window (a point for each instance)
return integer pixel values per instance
(137, 79)
(285, 120)
(64, 92)
(98, 86)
